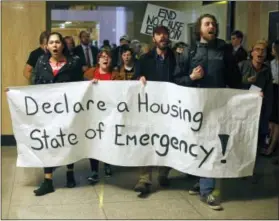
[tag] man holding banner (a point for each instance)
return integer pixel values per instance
(157, 65)
(209, 65)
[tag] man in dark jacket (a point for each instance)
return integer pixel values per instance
(239, 53)
(156, 65)
(209, 64)
(85, 51)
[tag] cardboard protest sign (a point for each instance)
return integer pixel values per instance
(204, 132)
(156, 15)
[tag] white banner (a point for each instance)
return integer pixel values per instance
(204, 132)
(157, 15)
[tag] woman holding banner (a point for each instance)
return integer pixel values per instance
(103, 71)
(56, 66)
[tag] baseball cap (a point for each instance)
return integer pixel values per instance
(160, 29)
(125, 37)
(135, 41)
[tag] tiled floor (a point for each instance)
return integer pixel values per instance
(114, 198)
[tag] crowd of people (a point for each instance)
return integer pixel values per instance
(209, 63)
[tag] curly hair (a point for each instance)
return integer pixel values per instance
(199, 23)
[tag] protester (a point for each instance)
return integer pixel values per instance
(156, 65)
(209, 64)
(116, 53)
(103, 71)
(56, 66)
(127, 70)
(256, 72)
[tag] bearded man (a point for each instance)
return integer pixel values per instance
(209, 64)
(156, 65)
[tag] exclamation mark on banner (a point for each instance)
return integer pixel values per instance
(224, 138)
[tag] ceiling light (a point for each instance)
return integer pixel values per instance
(222, 2)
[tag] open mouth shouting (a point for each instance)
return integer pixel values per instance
(55, 51)
(260, 58)
(105, 62)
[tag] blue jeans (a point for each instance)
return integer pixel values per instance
(207, 185)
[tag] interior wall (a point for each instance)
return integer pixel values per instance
(23, 21)
(252, 19)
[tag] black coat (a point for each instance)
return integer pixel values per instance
(71, 71)
(240, 55)
(78, 51)
(146, 66)
(217, 62)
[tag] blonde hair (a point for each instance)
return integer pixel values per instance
(260, 42)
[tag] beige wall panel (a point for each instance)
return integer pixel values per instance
(23, 21)
(252, 19)
(241, 21)
(253, 28)
(266, 7)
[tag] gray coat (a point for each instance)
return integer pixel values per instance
(218, 64)
(263, 80)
